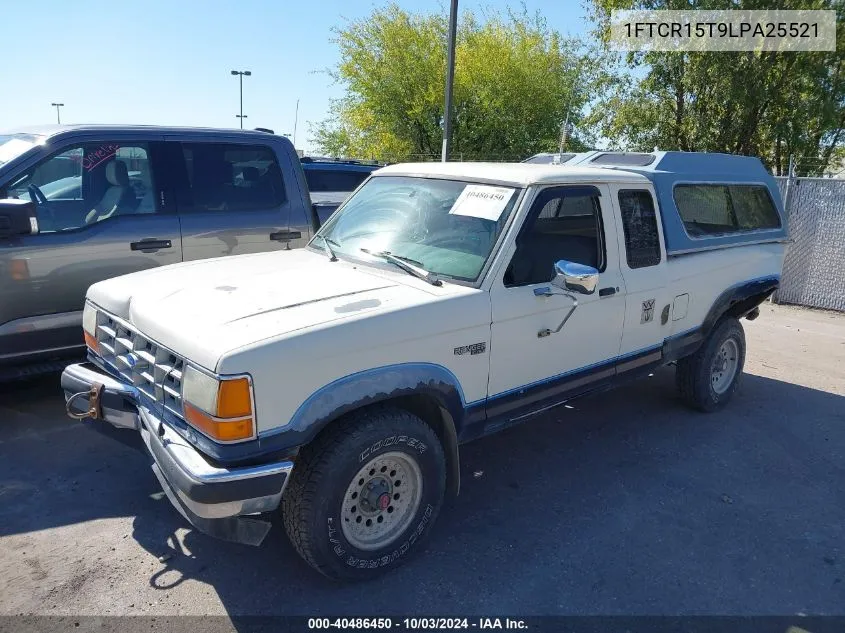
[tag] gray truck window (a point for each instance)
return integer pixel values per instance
(564, 223)
(228, 177)
(88, 183)
(334, 179)
(711, 209)
(639, 223)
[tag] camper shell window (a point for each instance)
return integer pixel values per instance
(722, 209)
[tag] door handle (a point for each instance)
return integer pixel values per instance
(607, 292)
(150, 244)
(285, 236)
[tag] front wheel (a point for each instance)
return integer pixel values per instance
(708, 379)
(364, 495)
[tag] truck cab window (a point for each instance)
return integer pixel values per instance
(564, 223)
(639, 222)
(229, 177)
(87, 184)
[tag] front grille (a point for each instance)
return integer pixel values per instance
(154, 370)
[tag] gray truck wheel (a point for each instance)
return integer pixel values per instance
(364, 495)
(708, 379)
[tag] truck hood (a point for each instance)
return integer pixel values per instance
(203, 309)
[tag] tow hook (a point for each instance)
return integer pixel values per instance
(93, 411)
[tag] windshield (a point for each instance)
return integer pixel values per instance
(13, 145)
(446, 227)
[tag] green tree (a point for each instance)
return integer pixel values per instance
(514, 79)
(769, 104)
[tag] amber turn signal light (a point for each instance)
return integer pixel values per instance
(217, 428)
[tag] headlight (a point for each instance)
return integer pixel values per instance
(219, 407)
(89, 326)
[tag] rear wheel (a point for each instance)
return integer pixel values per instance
(708, 379)
(364, 495)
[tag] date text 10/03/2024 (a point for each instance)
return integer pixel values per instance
(417, 623)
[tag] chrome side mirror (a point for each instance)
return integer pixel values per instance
(575, 277)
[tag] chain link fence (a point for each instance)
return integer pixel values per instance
(814, 268)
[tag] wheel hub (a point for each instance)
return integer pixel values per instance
(376, 495)
(381, 500)
(725, 366)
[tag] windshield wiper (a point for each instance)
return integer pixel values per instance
(327, 244)
(406, 264)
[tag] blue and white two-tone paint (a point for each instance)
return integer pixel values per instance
(320, 336)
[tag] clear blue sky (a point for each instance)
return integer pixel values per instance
(168, 62)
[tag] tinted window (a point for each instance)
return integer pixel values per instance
(548, 159)
(334, 180)
(753, 207)
(564, 223)
(226, 177)
(720, 209)
(639, 223)
(624, 158)
(88, 183)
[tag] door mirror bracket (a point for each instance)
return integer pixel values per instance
(569, 277)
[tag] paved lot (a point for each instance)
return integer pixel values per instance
(628, 503)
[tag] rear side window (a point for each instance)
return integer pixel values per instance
(639, 223)
(720, 209)
(334, 179)
(228, 177)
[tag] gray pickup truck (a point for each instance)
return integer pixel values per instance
(79, 204)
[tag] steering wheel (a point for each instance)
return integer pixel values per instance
(37, 194)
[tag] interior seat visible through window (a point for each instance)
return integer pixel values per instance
(119, 197)
(564, 223)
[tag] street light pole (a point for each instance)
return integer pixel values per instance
(241, 74)
(295, 121)
(58, 115)
(450, 76)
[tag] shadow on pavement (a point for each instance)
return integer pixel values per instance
(626, 503)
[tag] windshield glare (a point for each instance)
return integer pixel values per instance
(447, 227)
(13, 145)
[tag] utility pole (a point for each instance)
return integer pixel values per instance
(58, 114)
(450, 76)
(295, 121)
(241, 74)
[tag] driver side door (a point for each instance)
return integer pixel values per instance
(102, 210)
(532, 367)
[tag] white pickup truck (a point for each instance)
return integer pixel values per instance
(441, 303)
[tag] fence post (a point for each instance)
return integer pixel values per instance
(787, 203)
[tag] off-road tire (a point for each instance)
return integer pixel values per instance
(694, 376)
(315, 500)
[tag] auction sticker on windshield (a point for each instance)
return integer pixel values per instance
(482, 201)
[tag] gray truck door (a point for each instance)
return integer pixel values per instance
(233, 199)
(101, 213)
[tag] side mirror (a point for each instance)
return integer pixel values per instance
(575, 277)
(17, 217)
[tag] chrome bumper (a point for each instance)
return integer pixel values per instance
(211, 498)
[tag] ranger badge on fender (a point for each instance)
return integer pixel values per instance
(475, 348)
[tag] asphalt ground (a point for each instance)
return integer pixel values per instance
(627, 503)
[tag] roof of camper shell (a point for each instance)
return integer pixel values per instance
(667, 169)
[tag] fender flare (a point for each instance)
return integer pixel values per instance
(737, 300)
(382, 384)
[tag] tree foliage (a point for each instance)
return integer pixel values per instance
(514, 79)
(769, 104)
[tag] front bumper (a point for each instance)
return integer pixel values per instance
(215, 500)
